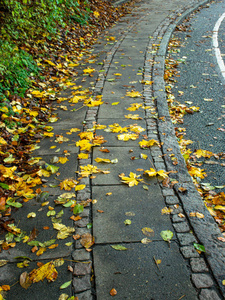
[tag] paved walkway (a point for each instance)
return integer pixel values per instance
(133, 52)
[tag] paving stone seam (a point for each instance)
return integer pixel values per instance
(83, 283)
(205, 277)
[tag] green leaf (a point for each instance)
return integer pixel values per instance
(166, 235)
(69, 203)
(4, 186)
(145, 187)
(119, 247)
(78, 209)
(51, 213)
(33, 243)
(53, 169)
(199, 247)
(65, 285)
(89, 225)
(13, 203)
(49, 243)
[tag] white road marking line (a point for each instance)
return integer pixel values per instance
(216, 45)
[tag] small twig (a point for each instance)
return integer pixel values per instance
(156, 263)
(182, 297)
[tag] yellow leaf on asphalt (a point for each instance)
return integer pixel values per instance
(166, 211)
(63, 230)
(132, 180)
(127, 136)
(102, 160)
(62, 160)
(88, 70)
(44, 173)
(82, 156)
(134, 106)
(115, 103)
(133, 117)
(152, 173)
(80, 187)
(41, 251)
(147, 144)
(84, 145)
(47, 271)
(68, 184)
(145, 241)
(31, 215)
(144, 156)
(148, 231)
(133, 94)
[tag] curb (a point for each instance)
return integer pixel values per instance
(205, 230)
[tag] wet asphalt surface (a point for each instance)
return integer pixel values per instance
(200, 79)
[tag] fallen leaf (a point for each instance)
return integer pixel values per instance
(65, 285)
(166, 235)
(113, 292)
(87, 240)
(148, 231)
(119, 247)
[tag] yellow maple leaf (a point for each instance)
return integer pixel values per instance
(147, 144)
(133, 117)
(84, 145)
(88, 70)
(132, 180)
(88, 135)
(43, 172)
(87, 170)
(102, 160)
(127, 136)
(47, 271)
(91, 103)
(82, 156)
(197, 172)
(68, 184)
(2, 141)
(74, 129)
(62, 160)
(80, 187)
(116, 128)
(133, 94)
(136, 128)
(134, 106)
(203, 153)
(152, 173)
(96, 14)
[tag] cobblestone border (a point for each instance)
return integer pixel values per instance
(208, 270)
(204, 268)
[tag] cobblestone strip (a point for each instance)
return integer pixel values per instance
(83, 282)
(208, 270)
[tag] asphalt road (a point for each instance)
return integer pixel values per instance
(203, 84)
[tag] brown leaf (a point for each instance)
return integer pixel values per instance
(113, 292)
(25, 280)
(87, 240)
(33, 234)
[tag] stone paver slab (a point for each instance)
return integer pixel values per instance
(134, 274)
(125, 164)
(141, 207)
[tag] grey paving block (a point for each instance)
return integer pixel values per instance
(125, 164)
(134, 274)
(112, 139)
(141, 207)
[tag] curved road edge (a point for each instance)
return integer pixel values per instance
(206, 230)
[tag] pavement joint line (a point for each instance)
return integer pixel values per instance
(162, 30)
